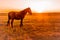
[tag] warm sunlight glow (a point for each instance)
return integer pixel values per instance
(36, 5)
(39, 6)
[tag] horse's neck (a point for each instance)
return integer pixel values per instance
(24, 12)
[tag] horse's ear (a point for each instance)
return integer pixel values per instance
(28, 7)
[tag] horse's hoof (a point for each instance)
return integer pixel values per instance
(21, 25)
(12, 26)
(7, 25)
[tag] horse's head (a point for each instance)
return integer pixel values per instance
(29, 11)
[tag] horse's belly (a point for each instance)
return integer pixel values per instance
(17, 18)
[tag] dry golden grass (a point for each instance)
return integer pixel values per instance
(36, 27)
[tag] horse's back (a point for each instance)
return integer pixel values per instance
(14, 15)
(11, 14)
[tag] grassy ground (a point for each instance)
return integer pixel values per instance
(36, 27)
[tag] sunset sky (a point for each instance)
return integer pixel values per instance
(36, 5)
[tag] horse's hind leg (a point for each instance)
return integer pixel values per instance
(8, 22)
(12, 23)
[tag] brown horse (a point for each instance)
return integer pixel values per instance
(18, 16)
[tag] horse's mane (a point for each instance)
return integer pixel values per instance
(23, 9)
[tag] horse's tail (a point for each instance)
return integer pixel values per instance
(8, 15)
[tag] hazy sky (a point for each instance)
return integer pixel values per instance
(36, 5)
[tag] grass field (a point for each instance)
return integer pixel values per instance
(45, 26)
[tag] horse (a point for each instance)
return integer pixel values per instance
(12, 15)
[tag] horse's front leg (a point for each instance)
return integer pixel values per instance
(12, 23)
(21, 24)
